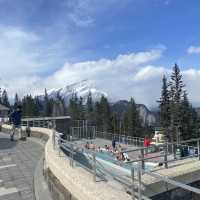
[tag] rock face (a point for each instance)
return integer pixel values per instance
(147, 117)
(81, 89)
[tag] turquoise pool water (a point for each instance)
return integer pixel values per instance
(107, 156)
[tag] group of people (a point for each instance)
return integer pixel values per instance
(116, 151)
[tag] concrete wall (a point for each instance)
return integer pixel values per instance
(179, 194)
(67, 183)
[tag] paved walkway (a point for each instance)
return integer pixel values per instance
(18, 161)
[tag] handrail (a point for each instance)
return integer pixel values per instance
(153, 174)
(45, 118)
(173, 182)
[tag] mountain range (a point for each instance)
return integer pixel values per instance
(83, 88)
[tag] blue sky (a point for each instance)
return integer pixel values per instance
(125, 47)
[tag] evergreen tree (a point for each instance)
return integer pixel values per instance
(0, 96)
(164, 104)
(186, 117)
(38, 106)
(74, 107)
(134, 123)
(81, 109)
(29, 108)
(177, 114)
(89, 109)
(114, 123)
(4, 99)
(105, 114)
(124, 126)
(58, 106)
(48, 104)
(176, 94)
(189, 123)
(16, 101)
(98, 116)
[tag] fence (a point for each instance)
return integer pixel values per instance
(125, 139)
(87, 159)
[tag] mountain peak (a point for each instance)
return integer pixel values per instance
(81, 89)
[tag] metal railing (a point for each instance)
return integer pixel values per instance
(134, 181)
(125, 139)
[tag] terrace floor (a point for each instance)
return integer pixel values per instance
(18, 161)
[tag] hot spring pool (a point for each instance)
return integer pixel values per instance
(107, 156)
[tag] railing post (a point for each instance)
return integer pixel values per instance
(198, 145)
(139, 181)
(142, 158)
(165, 155)
(94, 166)
(54, 134)
(174, 150)
(133, 185)
(72, 155)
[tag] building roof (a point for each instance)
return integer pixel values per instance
(2, 107)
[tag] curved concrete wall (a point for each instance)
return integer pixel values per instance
(72, 183)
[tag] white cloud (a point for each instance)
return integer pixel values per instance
(103, 70)
(148, 83)
(83, 13)
(23, 61)
(149, 72)
(193, 50)
(133, 74)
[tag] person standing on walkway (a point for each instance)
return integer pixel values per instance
(113, 143)
(15, 119)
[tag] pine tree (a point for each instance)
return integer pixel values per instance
(114, 123)
(74, 107)
(81, 109)
(5, 100)
(164, 105)
(48, 104)
(189, 123)
(16, 100)
(176, 94)
(89, 109)
(98, 116)
(0, 96)
(105, 114)
(38, 106)
(177, 114)
(134, 123)
(186, 117)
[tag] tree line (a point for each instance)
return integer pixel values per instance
(178, 118)
(105, 118)
(98, 113)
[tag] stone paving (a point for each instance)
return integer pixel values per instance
(18, 161)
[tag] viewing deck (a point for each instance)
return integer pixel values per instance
(19, 161)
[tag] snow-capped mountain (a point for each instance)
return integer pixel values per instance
(81, 89)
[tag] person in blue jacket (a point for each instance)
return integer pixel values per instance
(15, 119)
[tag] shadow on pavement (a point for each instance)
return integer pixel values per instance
(5, 143)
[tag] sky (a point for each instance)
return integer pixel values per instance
(125, 47)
